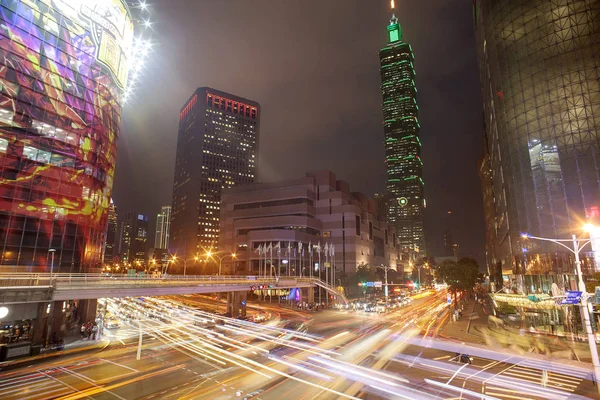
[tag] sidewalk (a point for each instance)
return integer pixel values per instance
(73, 345)
(469, 327)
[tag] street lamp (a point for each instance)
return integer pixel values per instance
(52, 262)
(209, 254)
(386, 269)
(185, 264)
(578, 245)
(170, 261)
(426, 265)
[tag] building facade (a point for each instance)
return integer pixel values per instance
(60, 111)
(539, 65)
(316, 209)
(217, 148)
(134, 238)
(111, 248)
(163, 227)
(405, 186)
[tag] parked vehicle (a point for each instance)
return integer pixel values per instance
(112, 324)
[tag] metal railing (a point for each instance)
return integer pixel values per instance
(19, 281)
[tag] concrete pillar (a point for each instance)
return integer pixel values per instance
(86, 310)
(229, 308)
(58, 320)
(236, 303)
(240, 299)
(307, 295)
(40, 324)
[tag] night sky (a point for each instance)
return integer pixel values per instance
(313, 66)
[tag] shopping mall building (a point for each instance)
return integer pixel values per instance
(63, 79)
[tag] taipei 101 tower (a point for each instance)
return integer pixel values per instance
(405, 204)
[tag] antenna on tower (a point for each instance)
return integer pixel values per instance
(393, 4)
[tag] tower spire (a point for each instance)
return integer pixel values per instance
(394, 30)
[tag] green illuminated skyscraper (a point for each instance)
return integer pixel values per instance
(405, 186)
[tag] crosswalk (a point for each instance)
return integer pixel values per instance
(525, 382)
(30, 386)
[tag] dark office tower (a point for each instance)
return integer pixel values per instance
(405, 186)
(448, 243)
(539, 64)
(110, 249)
(217, 148)
(134, 237)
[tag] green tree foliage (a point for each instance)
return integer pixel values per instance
(459, 276)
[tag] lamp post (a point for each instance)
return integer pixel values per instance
(52, 263)
(578, 245)
(426, 265)
(172, 261)
(386, 269)
(196, 258)
(209, 254)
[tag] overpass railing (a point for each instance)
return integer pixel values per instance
(65, 281)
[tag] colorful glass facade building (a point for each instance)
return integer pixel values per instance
(539, 64)
(63, 72)
(217, 148)
(405, 186)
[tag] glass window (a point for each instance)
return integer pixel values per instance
(3, 145)
(43, 156)
(30, 152)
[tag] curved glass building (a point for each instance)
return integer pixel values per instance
(540, 66)
(63, 71)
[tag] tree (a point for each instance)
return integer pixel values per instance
(364, 272)
(459, 276)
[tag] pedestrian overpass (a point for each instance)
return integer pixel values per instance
(43, 287)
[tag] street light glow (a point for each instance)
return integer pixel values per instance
(590, 228)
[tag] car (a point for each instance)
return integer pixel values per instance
(370, 307)
(259, 318)
(112, 324)
(380, 308)
(464, 358)
(297, 326)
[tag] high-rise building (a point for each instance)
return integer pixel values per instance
(539, 63)
(405, 186)
(489, 213)
(134, 237)
(110, 249)
(217, 148)
(64, 72)
(163, 227)
(448, 243)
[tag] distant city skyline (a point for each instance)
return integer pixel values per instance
(321, 98)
